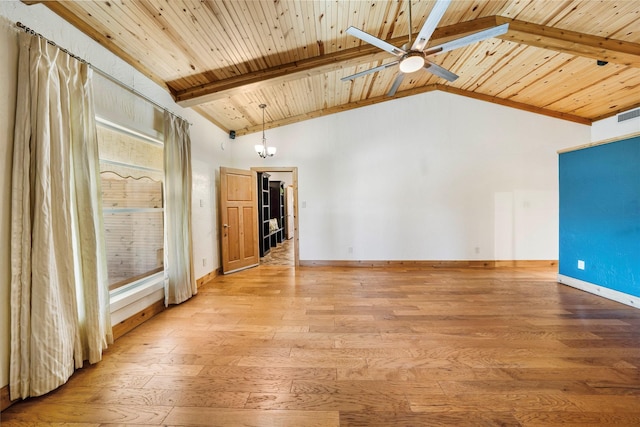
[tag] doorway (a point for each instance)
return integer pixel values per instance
(288, 252)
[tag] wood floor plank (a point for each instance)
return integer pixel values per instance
(364, 402)
(498, 387)
(132, 368)
(232, 373)
(329, 346)
(170, 398)
(188, 416)
(360, 387)
(207, 385)
(44, 413)
(578, 419)
(302, 362)
(498, 402)
(412, 419)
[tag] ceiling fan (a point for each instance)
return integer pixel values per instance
(415, 58)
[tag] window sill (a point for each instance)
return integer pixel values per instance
(136, 296)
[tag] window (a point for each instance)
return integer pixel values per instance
(131, 168)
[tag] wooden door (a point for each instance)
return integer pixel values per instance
(238, 219)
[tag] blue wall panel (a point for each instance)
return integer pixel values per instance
(600, 215)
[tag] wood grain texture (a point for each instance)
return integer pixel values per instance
(137, 319)
(5, 401)
(225, 57)
(392, 346)
(207, 277)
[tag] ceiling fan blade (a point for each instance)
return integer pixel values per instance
(375, 41)
(396, 84)
(439, 71)
(370, 70)
(430, 24)
(466, 40)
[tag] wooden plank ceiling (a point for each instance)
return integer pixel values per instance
(224, 58)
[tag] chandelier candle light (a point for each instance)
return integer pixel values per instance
(262, 149)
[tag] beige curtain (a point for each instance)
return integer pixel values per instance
(59, 298)
(180, 284)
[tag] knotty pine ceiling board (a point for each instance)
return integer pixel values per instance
(526, 67)
(622, 89)
(561, 87)
(253, 52)
(599, 18)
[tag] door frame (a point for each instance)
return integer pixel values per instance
(294, 172)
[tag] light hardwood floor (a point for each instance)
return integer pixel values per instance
(275, 346)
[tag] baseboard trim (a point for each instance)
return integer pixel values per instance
(5, 400)
(137, 319)
(607, 293)
(517, 263)
(433, 264)
(209, 276)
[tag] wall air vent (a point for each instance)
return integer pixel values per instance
(629, 115)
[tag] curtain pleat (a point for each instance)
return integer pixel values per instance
(180, 283)
(92, 285)
(59, 299)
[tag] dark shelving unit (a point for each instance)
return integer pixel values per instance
(276, 210)
(264, 212)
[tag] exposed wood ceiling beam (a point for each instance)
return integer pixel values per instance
(411, 92)
(334, 110)
(514, 104)
(571, 42)
(313, 66)
(541, 36)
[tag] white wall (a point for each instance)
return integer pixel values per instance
(207, 153)
(610, 128)
(430, 177)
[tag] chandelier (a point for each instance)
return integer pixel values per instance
(262, 149)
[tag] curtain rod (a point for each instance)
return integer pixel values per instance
(102, 73)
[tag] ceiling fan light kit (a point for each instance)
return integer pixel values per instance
(415, 57)
(412, 62)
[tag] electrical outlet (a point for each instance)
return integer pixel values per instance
(204, 262)
(580, 264)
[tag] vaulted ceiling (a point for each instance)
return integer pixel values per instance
(225, 58)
